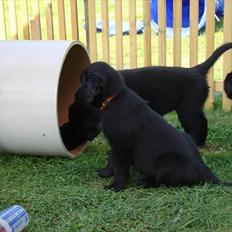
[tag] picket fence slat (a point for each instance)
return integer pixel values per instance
(194, 12)
(12, 20)
(49, 20)
(133, 34)
(105, 31)
(119, 39)
(177, 25)
(2, 21)
(162, 32)
(147, 32)
(74, 19)
(210, 29)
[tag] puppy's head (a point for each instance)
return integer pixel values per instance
(228, 85)
(86, 122)
(98, 81)
(69, 138)
(84, 125)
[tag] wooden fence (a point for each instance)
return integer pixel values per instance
(76, 20)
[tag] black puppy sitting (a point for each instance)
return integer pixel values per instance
(228, 85)
(83, 125)
(139, 136)
(175, 88)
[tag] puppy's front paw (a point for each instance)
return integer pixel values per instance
(105, 172)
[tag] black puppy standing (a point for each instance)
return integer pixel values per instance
(138, 136)
(176, 88)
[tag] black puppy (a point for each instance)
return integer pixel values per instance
(83, 125)
(176, 88)
(139, 136)
(228, 85)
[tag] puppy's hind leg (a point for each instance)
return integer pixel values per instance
(202, 129)
(189, 119)
(174, 170)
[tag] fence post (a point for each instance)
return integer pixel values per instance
(133, 34)
(119, 39)
(194, 13)
(86, 23)
(2, 21)
(147, 32)
(92, 29)
(36, 17)
(162, 31)
(13, 19)
(105, 31)
(49, 20)
(61, 19)
(35, 29)
(210, 29)
(26, 30)
(177, 26)
(74, 19)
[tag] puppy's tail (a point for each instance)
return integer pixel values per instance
(222, 183)
(208, 63)
(228, 85)
(212, 179)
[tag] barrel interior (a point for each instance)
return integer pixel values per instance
(76, 60)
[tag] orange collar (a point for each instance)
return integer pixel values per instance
(107, 101)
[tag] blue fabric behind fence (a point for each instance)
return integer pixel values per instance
(185, 16)
(219, 10)
(169, 12)
(219, 7)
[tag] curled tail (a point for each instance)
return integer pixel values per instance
(208, 63)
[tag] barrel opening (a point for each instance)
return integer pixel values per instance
(75, 61)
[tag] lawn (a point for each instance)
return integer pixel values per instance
(63, 194)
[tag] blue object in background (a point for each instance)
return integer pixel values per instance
(219, 11)
(219, 8)
(185, 16)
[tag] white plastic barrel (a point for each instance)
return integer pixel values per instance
(38, 80)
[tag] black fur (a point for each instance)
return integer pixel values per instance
(139, 136)
(175, 88)
(83, 125)
(228, 85)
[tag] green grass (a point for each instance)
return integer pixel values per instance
(65, 195)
